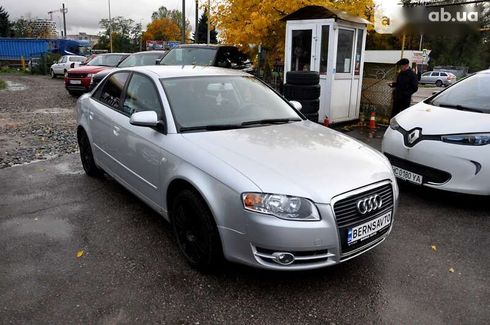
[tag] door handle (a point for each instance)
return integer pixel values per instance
(116, 130)
(91, 115)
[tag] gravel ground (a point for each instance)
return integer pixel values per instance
(36, 119)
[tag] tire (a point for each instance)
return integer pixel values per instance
(87, 157)
(195, 231)
(310, 106)
(297, 92)
(53, 75)
(439, 83)
(306, 78)
(74, 93)
(312, 117)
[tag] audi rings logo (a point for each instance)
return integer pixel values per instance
(369, 204)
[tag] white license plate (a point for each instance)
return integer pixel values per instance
(407, 176)
(368, 229)
(75, 82)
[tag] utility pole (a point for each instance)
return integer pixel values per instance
(183, 21)
(64, 11)
(197, 22)
(110, 25)
(209, 24)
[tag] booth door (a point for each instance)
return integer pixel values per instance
(301, 47)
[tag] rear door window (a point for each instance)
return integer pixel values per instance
(111, 92)
(435, 74)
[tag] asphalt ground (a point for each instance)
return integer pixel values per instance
(74, 249)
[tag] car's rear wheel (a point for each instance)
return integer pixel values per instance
(53, 75)
(86, 156)
(195, 231)
(439, 83)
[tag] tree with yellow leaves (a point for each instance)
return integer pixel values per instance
(162, 29)
(245, 22)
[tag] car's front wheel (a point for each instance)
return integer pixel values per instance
(53, 75)
(439, 83)
(86, 156)
(195, 231)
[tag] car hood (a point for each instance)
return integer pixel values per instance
(436, 120)
(302, 159)
(88, 69)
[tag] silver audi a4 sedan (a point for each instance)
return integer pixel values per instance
(235, 168)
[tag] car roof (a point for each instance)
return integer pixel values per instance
(176, 71)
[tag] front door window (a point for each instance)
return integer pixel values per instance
(301, 50)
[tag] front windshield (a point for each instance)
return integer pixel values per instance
(110, 60)
(190, 56)
(140, 59)
(472, 94)
(224, 100)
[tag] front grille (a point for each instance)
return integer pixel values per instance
(346, 209)
(429, 174)
(76, 75)
(348, 216)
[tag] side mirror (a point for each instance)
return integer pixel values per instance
(145, 118)
(296, 104)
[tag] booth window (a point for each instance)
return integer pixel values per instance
(301, 50)
(344, 51)
(324, 50)
(357, 68)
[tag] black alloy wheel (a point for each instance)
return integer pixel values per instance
(87, 157)
(195, 231)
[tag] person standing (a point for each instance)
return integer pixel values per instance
(405, 86)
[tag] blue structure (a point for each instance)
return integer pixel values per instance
(13, 49)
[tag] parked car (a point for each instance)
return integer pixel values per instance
(134, 60)
(437, 78)
(263, 187)
(77, 81)
(59, 68)
(444, 141)
(224, 56)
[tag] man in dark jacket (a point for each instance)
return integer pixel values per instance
(406, 84)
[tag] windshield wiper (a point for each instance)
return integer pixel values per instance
(271, 121)
(212, 127)
(461, 108)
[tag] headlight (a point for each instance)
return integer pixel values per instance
(90, 75)
(281, 206)
(394, 124)
(468, 139)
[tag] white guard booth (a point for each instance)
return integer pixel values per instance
(332, 43)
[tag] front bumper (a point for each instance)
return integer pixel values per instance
(469, 171)
(73, 85)
(313, 244)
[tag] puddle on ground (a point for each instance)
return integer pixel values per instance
(52, 227)
(15, 86)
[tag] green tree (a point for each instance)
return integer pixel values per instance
(22, 28)
(202, 31)
(4, 23)
(126, 35)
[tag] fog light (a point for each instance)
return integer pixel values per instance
(283, 258)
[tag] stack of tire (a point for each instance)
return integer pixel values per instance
(304, 87)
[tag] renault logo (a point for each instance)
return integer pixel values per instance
(413, 136)
(369, 204)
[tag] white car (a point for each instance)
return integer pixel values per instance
(444, 141)
(59, 68)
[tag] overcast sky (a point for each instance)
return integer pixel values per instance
(84, 15)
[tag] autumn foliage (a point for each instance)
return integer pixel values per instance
(245, 22)
(162, 29)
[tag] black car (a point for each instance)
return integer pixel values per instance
(224, 56)
(134, 60)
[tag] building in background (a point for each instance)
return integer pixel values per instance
(93, 39)
(43, 28)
